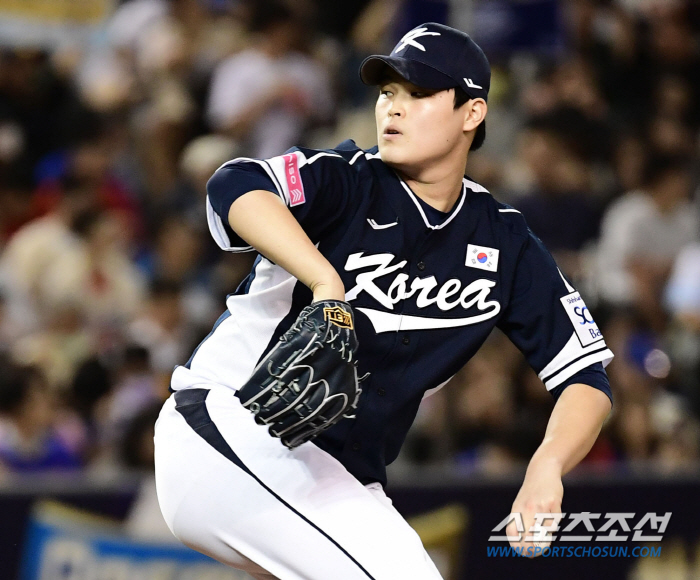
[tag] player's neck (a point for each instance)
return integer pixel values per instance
(439, 187)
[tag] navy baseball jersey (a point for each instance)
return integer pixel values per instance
(427, 288)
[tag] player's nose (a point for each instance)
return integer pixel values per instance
(396, 109)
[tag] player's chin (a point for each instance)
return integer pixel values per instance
(393, 154)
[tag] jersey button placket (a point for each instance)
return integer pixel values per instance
(356, 446)
(406, 339)
(420, 265)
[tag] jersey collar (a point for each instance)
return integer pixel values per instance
(414, 198)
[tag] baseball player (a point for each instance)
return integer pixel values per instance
(380, 273)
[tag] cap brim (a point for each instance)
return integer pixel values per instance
(373, 72)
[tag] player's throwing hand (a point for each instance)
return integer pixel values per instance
(308, 382)
(541, 493)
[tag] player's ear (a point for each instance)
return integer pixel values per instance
(474, 113)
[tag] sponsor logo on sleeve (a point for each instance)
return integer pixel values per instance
(586, 329)
(482, 258)
(293, 177)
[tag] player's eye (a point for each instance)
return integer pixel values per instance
(385, 93)
(419, 95)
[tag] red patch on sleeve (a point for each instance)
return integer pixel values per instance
(294, 183)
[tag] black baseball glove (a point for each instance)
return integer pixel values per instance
(308, 381)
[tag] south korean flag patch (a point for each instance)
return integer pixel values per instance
(482, 258)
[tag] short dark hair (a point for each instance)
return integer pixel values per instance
(14, 385)
(16, 382)
(461, 97)
(138, 431)
(269, 13)
(83, 224)
(91, 381)
(660, 165)
(165, 288)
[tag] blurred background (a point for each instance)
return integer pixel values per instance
(113, 115)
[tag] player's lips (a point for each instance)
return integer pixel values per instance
(391, 132)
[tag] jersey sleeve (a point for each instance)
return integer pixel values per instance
(549, 322)
(316, 186)
(593, 375)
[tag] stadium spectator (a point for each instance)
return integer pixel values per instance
(29, 438)
(161, 328)
(641, 234)
(96, 273)
(134, 390)
(268, 95)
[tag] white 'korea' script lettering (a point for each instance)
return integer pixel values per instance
(447, 297)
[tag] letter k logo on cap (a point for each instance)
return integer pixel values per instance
(409, 39)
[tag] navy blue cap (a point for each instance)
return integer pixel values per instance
(434, 56)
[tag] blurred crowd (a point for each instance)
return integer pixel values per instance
(109, 277)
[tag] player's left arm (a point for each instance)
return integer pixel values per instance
(572, 430)
(547, 319)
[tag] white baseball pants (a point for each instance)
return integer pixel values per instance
(230, 490)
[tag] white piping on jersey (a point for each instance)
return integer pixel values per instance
(284, 193)
(310, 160)
(270, 172)
(569, 287)
(564, 364)
(474, 186)
(604, 357)
(216, 227)
(355, 157)
(508, 210)
(376, 155)
(422, 213)
(436, 389)
(377, 226)
(238, 160)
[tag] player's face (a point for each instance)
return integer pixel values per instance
(418, 127)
